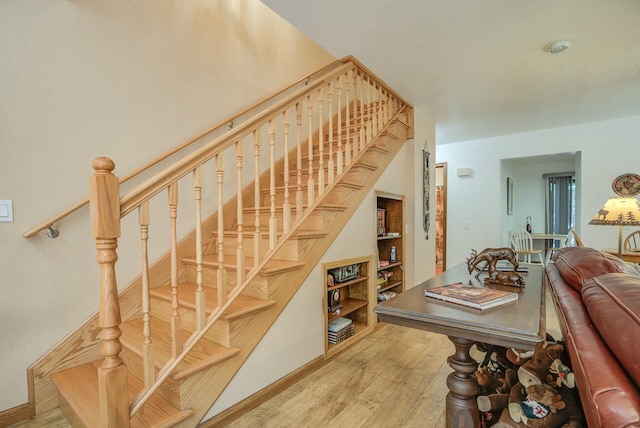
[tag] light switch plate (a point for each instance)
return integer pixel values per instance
(6, 210)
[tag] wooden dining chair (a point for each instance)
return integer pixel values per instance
(577, 239)
(566, 242)
(632, 241)
(521, 242)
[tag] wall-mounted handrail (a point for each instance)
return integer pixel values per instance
(51, 221)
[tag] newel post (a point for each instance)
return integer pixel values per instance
(104, 203)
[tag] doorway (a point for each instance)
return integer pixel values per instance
(441, 217)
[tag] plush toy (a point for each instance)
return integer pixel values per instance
(534, 399)
(495, 375)
(540, 401)
(564, 375)
(495, 357)
(491, 382)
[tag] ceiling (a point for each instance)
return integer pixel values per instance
(480, 68)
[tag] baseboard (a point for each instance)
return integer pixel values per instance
(234, 412)
(16, 414)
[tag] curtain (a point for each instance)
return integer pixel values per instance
(560, 196)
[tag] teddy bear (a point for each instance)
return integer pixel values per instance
(535, 371)
(540, 401)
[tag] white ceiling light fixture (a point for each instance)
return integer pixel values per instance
(559, 46)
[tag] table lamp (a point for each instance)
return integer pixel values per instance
(619, 211)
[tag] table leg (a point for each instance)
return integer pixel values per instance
(461, 405)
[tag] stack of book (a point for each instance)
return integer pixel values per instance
(340, 329)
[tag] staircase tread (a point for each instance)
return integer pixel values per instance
(293, 187)
(242, 306)
(296, 234)
(273, 265)
(204, 354)
(79, 387)
(267, 209)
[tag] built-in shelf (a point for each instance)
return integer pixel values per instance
(349, 298)
(390, 220)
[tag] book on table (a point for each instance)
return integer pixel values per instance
(468, 295)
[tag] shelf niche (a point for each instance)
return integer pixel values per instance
(350, 298)
(389, 231)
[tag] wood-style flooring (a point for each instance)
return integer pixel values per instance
(395, 377)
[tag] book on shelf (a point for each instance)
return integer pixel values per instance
(347, 332)
(468, 295)
(338, 324)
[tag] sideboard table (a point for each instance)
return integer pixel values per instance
(519, 324)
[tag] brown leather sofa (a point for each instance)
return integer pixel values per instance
(597, 299)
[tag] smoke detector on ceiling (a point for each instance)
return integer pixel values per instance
(559, 46)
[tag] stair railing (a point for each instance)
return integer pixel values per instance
(363, 107)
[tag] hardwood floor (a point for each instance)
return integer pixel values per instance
(395, 377)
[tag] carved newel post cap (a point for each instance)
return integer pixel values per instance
(103, 164)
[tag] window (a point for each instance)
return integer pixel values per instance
(561, 202)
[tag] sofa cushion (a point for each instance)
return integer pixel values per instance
(613, 303)
(577, 265)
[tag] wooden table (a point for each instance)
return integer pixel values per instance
(629, 256)
(519, 324)
(547, 249)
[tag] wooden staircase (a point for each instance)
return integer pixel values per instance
(68, 377)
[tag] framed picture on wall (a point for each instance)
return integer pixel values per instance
(509, 196)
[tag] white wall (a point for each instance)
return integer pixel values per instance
(130, 80)
(476, 205)
(124, 79)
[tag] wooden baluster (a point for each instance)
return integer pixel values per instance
(310, 181)
(347, 121)
(331, 163)
(176, 323)
(257, 244)
(340, 158)
(385, 107)
(299, 194)
(221, 278)
(363, 139)
(148, 367)
(273, 221)
(200, 297)
(374, 99)
(320, 142)
(286, 206)
(369, 112)
(240, 274)
(105, 229)
(354, 145)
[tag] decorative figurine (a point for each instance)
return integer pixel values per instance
(491, 256)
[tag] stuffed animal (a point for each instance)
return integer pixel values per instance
(535, 385)
(540, 401)
(564, 375)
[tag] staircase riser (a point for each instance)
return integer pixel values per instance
(169, 390)
(258, 288)
(220, 333)
(230, 246)
(337, 197)
(249, 219)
